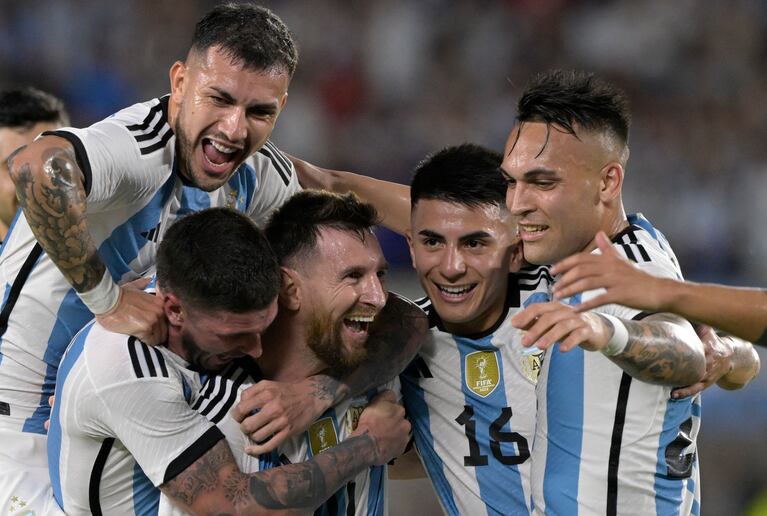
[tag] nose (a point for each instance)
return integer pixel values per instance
(518, 199)
(234, 124)
(453, 264)
(253, 347)
(374, 293)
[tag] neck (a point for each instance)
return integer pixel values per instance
(286, 356)
(613, 223)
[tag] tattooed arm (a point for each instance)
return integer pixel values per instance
(214, 484)
(662, 348)
(50, 190)
(287, 409)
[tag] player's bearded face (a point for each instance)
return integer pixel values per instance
(325, 338)
(203, 360)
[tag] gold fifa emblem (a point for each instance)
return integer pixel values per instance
(531, 364)
(322, 435)
(482, 372)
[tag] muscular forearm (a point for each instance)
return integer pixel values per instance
(395, 338)
(215, 485)
(662, 350)
(745, 365)
(738, 311)
(392, 200)
(50, 191)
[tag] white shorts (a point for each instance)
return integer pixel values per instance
(25, 486)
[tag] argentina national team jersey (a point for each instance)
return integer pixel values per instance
(365, 495)
(471, 400)
(607, 443)
(134, 194)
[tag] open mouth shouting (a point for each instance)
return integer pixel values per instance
(219, 158)
(358, 324)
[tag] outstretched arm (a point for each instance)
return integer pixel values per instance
(661, 348)
(49, 186)
(392, 200)
(288, 409)
(214, 484)
(738, 311)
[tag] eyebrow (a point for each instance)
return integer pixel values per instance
(430, 234)
(270, 107)
(477, 235)
(538, 173)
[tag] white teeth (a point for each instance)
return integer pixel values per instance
(455, 290)
(222, 148)
(360, 318)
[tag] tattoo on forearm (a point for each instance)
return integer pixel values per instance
(202, 476)
(54, 206)
(655, 353)
(395, 339)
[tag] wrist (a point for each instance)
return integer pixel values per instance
(619, 339)
(104, 297)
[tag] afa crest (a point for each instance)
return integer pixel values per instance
(352, 417)
(481, 372)
(531, 364)
(322, 435)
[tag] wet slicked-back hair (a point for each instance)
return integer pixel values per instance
(248, 34)
(570, 98)
(294, 228)
(217, 259)
(26, 107)
(465, 174)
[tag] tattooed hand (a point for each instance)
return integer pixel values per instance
(270, 412)
(384, 421)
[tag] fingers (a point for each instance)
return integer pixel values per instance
(138, 284)
(690, 390)
(385, 395)
(270, 444)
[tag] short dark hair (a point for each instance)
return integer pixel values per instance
(217, 259)
(248, 34)
(294, 228)
(466, 174)
(569, 98)
(26, 107)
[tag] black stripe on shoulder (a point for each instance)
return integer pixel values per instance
(18, 283)
(134, 357)
(159, 145)
(423, 302)
(153, 363)
(530, 278)
(80, 155)
(271, 152)
(231, 398)
(615, 445)
(143, 126)
(94, 485)
(161, 363)
(280, 156)
(189, 456)
(629, 242)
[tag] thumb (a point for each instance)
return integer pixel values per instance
(138, 284)
(604, 244)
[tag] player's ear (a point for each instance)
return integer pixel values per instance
(409, 238)
(290, 289)
(611, 181)
(177, 75)
(174, 312)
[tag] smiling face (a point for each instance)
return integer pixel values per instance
(211, 339)
(562, 188)
(221, 113)
(462, 256)
(342, 291)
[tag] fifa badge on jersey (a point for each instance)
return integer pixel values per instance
(531, 364)
(481, 372)
(322, 435)
(352, 418)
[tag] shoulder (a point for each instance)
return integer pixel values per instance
(270, 162)
(648, 249)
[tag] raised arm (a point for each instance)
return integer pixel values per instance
(213, 484)
(288, 409)
(661, 349)
(50, 189)
(392, 200)
(738, 311)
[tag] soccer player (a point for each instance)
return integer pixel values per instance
(739, 311)
(24, 113)
(470, 394)
(124, 421)
(97, 201)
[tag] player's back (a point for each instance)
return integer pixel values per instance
(471, 400)
(607, 443)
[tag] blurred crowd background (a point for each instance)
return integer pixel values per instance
(381, 83)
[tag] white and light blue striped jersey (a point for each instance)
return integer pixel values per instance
(123, 424)
(471, 400)
(134, 194)
(607, 443)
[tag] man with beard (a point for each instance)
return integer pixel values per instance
(97, 201)
(130, 422)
